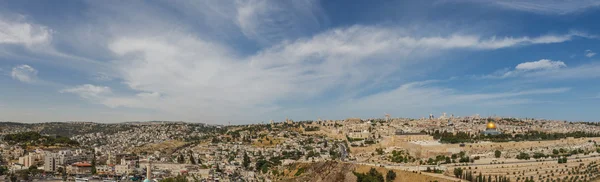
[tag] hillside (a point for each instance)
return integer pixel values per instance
(337, 171)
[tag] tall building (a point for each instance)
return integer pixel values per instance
(25, 160)
(52, 161)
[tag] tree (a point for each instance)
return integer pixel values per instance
(523, 156)
(555, 152)
(371, 176)
(192, 160)
(13, 178)
(94, 163)
(246, 161)
(24, 174)
(262, 165)
(379, 151)
(180, 159)
(458, 172)
(63, 173)
(390, 176)
(3, 170)
(497, 153)
(562, 150)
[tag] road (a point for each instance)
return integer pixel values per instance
(343, 151)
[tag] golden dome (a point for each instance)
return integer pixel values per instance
(491, 125)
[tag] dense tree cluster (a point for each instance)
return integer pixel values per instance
(523, 156)
(371, 176)
(462, 137)
(401, 157)
(311, 128)
(562, 160)
(469, 176)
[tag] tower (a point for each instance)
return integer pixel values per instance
(148, 171)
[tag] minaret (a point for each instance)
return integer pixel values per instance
(148, 170)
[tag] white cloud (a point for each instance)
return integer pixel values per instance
(549, 71)
(24, 73)
(525, 68)
(589, 53)
(195, 75)
(89, 91)
(23, 33)
(182, 74)
(542, 64)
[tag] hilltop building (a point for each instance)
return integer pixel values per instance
(491, 129)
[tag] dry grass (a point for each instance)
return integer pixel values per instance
(338, 171)
(267, 142)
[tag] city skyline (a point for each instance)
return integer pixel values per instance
(248, 61)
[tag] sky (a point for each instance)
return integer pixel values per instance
(249, 61)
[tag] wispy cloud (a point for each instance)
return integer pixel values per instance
(88, 91)
(545, 6)
(24, 73)
(526, 68)
(410, 96)
(543, 64)
(273, 21)
(589, 53)
(546, 70)
(584, 71)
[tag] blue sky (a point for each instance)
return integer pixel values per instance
(245, 61)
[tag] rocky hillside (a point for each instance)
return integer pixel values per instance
(337, 171)
(320, 172)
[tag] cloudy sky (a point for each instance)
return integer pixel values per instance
(245, 61)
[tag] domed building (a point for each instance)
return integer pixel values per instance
(491, 129)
